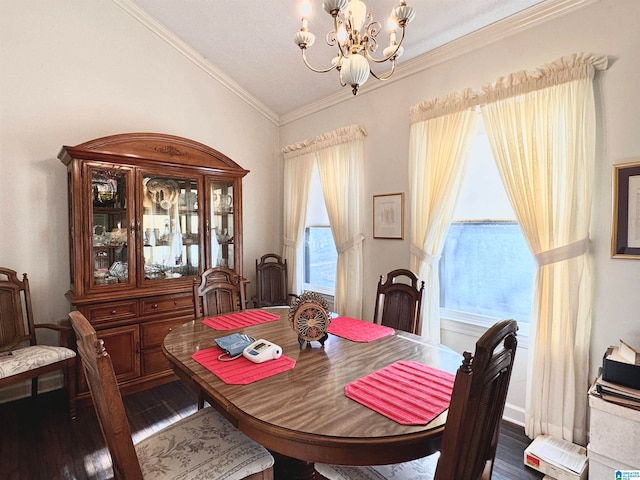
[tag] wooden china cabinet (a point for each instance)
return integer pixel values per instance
(148, 213)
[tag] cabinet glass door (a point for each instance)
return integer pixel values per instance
(170, 227)
(110, 235)
(222, 224)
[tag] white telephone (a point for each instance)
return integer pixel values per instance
(261, 351)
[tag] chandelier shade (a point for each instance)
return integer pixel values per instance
(354, 71)
(354, 37)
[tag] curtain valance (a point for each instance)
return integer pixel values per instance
(563, 70)
(336, 137)
(452, 103)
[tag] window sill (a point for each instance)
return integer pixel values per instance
(327, 291)
(476, 325)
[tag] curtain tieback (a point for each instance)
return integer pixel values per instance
(565, 252)
(349, 244)
(424, 256)
(290, 243)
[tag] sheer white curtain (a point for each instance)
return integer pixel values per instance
(298, 167)
(541, 126)
(341, 168)
(440, 137)
(340, 158)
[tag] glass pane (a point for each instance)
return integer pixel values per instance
(487, 269)
(320, 257)
(170, 227)
(109, 234)
(222, 251)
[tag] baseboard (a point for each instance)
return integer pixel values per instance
(513, 414)
(46, 383)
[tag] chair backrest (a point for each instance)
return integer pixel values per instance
(219, 291)
(16, 312)
(271, 281)
(479, 394)
(106, 397)
(398, 301)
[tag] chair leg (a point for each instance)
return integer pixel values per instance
(70, 384)
(34, 387)
(200, 400)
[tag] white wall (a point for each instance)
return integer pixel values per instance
(604, 27)
(74, 70)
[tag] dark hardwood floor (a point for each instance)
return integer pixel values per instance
(37, 441)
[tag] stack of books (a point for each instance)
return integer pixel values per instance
(616, 393)
(619, 381)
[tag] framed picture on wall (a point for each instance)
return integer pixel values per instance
(625, 238)
(388, 216)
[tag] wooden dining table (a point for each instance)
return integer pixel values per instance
(302, 415)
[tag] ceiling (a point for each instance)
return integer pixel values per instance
(250, 42)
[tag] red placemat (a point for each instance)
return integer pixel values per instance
(408, 392)
(358, 330)
(247, 318)
(241, 371)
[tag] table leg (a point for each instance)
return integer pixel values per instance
(287, 468)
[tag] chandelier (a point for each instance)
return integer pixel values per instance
(354, 34)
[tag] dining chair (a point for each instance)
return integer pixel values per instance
(272, 286)
(471, 432)
(202, 445)
(220, 290)
(21, 356)
(398, 301)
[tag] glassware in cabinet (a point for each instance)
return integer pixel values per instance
(222, 223)
(110, 219)
(170, 227)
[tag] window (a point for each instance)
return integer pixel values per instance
(486, 270)
(320, 254)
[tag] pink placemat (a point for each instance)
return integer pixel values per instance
(358, 330)
(410, 393)
(247, 318)
(241, 371)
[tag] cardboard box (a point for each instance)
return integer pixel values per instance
(619, 372)
(534, 459)
(602, 467)
(614, 431)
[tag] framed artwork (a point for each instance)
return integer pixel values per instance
(388, 216)
(625, 238)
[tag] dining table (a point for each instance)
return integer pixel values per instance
(302, 414)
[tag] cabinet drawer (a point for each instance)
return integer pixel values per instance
(166, 303)
(153, 333)
(108, 312)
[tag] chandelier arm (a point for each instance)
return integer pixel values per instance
(317, 70)
(386, 77)
(390, 56)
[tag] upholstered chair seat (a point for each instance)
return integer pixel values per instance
(30, 358)
(203, 445)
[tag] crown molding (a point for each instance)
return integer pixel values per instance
(197, 59)
(497, 31)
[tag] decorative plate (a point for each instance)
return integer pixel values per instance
(309, 318)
